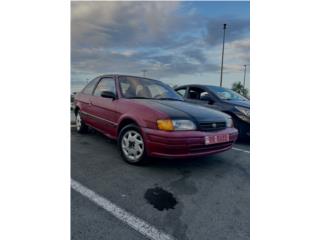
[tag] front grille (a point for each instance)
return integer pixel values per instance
(213, 147)
(212, 126)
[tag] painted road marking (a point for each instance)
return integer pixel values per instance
(136, 223)
(241, 150)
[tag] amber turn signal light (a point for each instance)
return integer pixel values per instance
(165, 125)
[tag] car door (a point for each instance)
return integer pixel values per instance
(104, 110)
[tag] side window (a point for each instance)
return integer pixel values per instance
(198, 94)
(181, 92)
(89, 88)
(105, 84)
(194, 93)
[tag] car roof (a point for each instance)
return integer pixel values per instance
(124, 75)
(200, 85)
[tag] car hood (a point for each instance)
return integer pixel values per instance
(185, 110)
(245, 104)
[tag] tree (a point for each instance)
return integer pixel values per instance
(239, 88)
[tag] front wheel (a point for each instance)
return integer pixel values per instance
(80, 125)
(131, 145)
(242, 128)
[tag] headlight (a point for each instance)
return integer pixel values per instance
(183, 125)
(175, 125)
(244, 111)
(229, 122)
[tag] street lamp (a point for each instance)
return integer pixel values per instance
(224, 35)
(244, 77)
(144, 72)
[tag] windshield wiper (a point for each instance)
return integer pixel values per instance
(138, 98)
(173, 99)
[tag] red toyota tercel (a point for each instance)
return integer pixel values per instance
(148, 118)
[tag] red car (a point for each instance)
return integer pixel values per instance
(148, 118)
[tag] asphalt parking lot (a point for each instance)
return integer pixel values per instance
(203, 198)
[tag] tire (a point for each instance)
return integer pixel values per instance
(241, 128)
(131, 145)
(80, 125)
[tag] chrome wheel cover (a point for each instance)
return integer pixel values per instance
(132, 145)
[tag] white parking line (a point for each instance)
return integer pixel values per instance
(136, 223)
(241, 150)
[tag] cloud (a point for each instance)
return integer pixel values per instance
(104, 61)
(123, 24)
(166, 39)
(238, 51)
(196, 54)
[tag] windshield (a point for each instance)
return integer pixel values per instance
(136, 87)
(227, 94)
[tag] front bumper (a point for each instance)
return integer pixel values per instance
(184, 144)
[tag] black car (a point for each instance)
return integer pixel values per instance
(222, 99)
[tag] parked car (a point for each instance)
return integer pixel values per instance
(148, 118)
(222, 99)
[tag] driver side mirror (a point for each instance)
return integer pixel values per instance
(108, 94)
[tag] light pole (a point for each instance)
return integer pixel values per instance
(224, 35)
(144, 72)
(244, 77)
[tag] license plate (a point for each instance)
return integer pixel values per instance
(216, 139)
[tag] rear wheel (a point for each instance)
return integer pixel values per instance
(80, 125)
(131, 145)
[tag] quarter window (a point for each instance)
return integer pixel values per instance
(89, 88)
(105, 84)
(181, 92)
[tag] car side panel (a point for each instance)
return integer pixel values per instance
(106, 115)
(82, 101)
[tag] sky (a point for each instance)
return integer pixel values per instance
(175, 42)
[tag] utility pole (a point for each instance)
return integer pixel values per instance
(144, 72)
(244, 77)
(224, 35)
